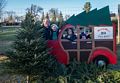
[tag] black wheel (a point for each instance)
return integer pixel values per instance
(101, 61)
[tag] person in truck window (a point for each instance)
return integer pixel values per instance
(54, 32)
(82, 35)
(88, 35)
(70, 35)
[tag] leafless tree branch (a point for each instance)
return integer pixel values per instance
(2, 5)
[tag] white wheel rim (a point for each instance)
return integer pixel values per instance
(101, 63)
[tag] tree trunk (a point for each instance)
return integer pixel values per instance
(28, 79)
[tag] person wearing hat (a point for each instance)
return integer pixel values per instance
(54, 32)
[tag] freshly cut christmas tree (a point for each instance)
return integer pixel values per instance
(30, 55)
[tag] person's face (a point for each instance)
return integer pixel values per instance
(54, 28)
(46, 23)
(69, 31)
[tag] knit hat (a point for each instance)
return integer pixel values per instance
(54, 25)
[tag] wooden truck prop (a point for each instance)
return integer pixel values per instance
(93, 39)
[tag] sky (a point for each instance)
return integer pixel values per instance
(66, 6)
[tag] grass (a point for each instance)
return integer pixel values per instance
(6, 39)
(2, 29)
(7, 36)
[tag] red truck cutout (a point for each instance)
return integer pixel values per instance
(85, 40)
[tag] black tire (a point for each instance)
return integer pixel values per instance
(101, 61)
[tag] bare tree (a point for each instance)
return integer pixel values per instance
(35, 10)
(10, 13)
(53, 12)
(11, 16)
(2, 5)
(17, 18)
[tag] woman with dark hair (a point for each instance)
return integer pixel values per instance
(70, 35)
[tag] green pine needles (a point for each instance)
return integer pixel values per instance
(30, 55)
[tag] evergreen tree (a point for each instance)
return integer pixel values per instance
(87, 7)
(30, 55)
(60, 20)
(53, 18)
(42, 18)
(47, 16)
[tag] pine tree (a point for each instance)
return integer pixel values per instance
(42, 18)
(30, 55)
(87, 7)
(47, 16)
(60, 20)
(53, 17)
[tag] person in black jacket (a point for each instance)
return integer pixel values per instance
(70, 35)
(82, 35)
(47, 28)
